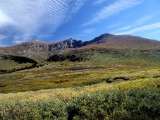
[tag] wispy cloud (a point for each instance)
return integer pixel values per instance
(144, 19)
(24, 20)
(155, 32)
(114, 25)
(136, 24)
(111, 10)
(4, 19)
(142, 28)
(98, 2)
(126, 27)
(86, 32)
(76, 5)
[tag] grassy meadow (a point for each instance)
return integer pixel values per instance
(98, 67)
(10, 64)
(115, 85)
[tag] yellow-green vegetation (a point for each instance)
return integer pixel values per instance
(58, 75)
(10, 64)
(63, 94)
(100, 101)
(102, 86)
(98, 68)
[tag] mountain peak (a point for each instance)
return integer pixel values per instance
(99, 39)
(104, 41)
(107, 35)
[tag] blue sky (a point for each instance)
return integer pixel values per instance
(56, 20)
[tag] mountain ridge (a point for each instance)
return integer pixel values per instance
(44, 50)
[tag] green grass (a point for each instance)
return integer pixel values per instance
(59, 76)
(100, 66)
(10, 64)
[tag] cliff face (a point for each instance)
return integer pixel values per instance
(33, 49)
(64, 45)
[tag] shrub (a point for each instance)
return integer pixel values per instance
(116, 105)
(110, 80)
(133, 104)
(122, 77)
(3, 84)
(33, 111)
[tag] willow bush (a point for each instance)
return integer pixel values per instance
(133, 104)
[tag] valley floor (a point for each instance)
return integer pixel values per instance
(105, 88)
(65, 74)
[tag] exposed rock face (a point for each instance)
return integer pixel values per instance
(64, 45)
(33, 48)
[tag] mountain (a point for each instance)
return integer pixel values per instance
(40, 49)
(27, 49)
(105, 41)
(120, 42)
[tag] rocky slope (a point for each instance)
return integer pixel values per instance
(106, 41)
(40, 49)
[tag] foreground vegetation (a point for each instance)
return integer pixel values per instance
(126, 100)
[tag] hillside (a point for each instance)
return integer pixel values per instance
(38, 49)
(43, 50)
(121, 42)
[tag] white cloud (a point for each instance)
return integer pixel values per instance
(98, 2)
(126, 27)
(155, 32)
(29, 18)
(4, 19)
(114, 25)
(77, 4)
(111, 10)
(146, 18)
(86, 32)
(137, 23)
(141, 28)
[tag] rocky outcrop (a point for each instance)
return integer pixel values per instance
(64, 45)
(33, 49)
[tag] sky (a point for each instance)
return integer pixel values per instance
(57, 20)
